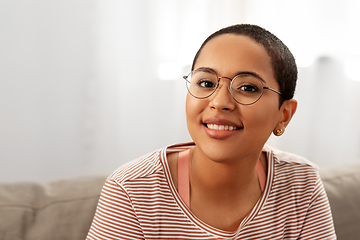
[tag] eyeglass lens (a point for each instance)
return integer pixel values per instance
(245, 88)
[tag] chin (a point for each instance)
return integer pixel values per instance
(217, 151)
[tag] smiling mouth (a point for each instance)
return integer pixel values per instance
(221, 127)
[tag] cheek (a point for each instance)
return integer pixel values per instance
(191, 114)
(263, 117)
(190, 109)
(259, 124)
(194, 107)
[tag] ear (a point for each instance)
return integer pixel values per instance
(287, 110)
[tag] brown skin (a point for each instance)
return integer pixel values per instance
(223, 178)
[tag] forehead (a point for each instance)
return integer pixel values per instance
(228, 54)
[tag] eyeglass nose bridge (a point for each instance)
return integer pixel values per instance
(229, 88)
(224, 77)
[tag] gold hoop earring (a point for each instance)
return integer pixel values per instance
(279, 132)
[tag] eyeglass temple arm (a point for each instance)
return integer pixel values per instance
(186, 78)
(274, 91)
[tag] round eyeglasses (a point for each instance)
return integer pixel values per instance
(245, 88)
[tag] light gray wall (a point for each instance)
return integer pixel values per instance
(80, 93)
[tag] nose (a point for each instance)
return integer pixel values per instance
(222, 99)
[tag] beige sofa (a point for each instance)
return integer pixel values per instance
(64, 209)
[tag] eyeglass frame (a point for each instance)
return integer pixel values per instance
(185, 77)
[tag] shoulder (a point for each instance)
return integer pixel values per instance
(138, 168)
(147, 165)
(287, 158)
(291, 166)
(296, 197)
(294, 177)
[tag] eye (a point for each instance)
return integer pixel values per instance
(206, 83)
(248, 88)
(247, 84)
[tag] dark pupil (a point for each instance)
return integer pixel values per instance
(249, 88)
(207, 84)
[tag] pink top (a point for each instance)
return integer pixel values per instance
(184, 176)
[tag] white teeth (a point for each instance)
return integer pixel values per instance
(220, 127)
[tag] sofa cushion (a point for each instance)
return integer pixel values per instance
(58, 210)
(342, 186)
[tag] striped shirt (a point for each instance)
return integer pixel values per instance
(139, 201)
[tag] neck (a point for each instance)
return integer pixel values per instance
(222, 176)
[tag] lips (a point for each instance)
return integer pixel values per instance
(221, 124)
(220, 128)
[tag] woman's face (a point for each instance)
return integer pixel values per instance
(227, 55)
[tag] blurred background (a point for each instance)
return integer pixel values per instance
(87, 85)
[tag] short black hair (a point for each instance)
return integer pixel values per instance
(282, 60)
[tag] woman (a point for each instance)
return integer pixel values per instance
(226, 184)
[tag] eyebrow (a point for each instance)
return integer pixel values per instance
(251, 73)
(238, 73)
